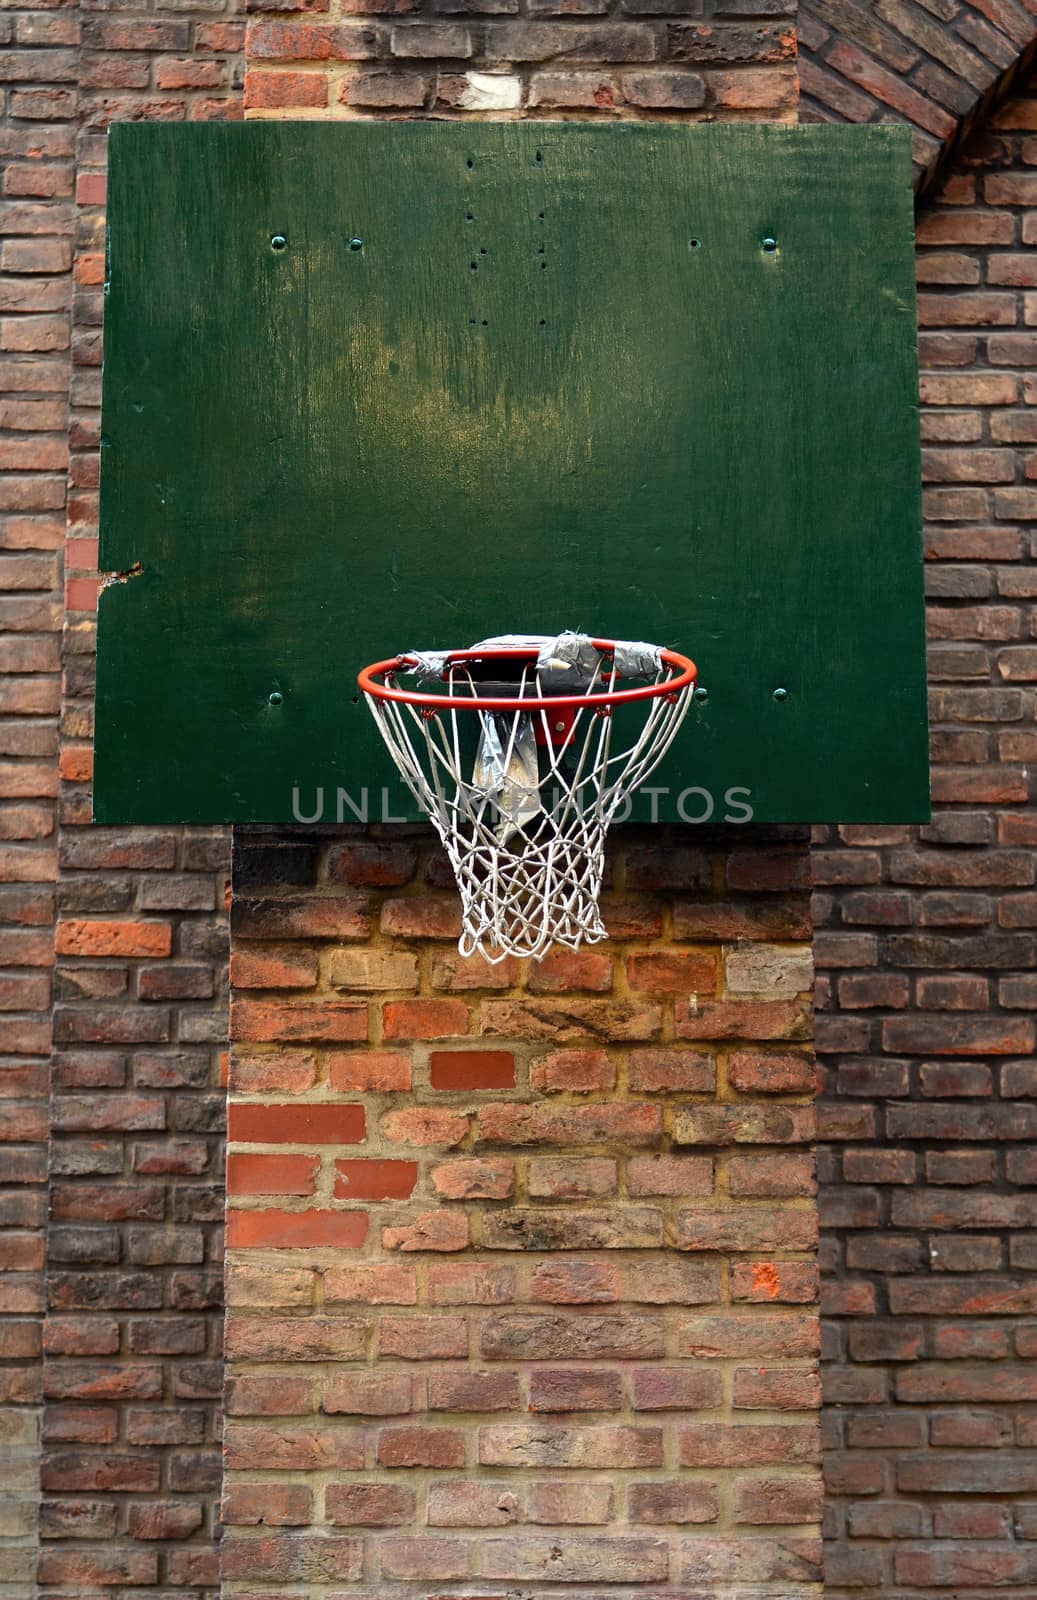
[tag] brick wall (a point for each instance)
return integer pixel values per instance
(889, 63)
(521, 1259)
(927, 941)
(938, 65)
(64, 78)
(133, 1290)
(37, 69)
(132, 1372)
(717, 59)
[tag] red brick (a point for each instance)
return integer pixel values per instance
(277, 1505)
(558, 1446)
(572, 1178)
(415, 1446)
(678, 1071)
(774, 1281)
(282, 1339)
(280, 1558)
(284, 1072)
(371, 1505)
(674, 1502)
(425, 1125)
(755, 1072)
(368, 1072)
(772, 1175)
(555, 1501)
(89, 1567)
(270, 1395)
(423, 1558)
(273, 1021)
(114, 938)
(773, 1019)
(709, 1444)
(460, 1503)
(255, 1448)
(575, 1389)
(578, 1070)
(470, 1178)
(744, 1124)
(568, 971)
(661, 1388)
(471, 1069)
(423, 1338)
(375, 1180)
(776, 1389)
(223, 37)
(369, 865)
(673, 973)
(788, 1499)
(637, 1125)
(285, 90)
(575, 1282)
(271, 1174)
(422, 918)
(424, 1019)
(372, 1394)
(286, 1230)
(190, 75)
(942, 1035)
(374, 1283)
(316, 1123)
(473, 1391)
(571, 1021)
(303, 917)
(270, 967)
(558, 1336)
(743, 1336)
(429, 1230)
(450, 970)
(470, 1283)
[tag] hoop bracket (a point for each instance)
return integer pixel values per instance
(559, 728)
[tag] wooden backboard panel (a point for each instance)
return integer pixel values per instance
(650, 381)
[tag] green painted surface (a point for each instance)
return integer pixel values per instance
(563, 383)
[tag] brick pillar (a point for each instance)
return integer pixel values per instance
(132, 1372)
(37, 62)
(522, 1272)
(928, 943)
(521, 1259)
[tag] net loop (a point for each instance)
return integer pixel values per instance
(521, 756)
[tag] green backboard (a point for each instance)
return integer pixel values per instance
(371, 387)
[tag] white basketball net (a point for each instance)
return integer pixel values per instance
(524, 822)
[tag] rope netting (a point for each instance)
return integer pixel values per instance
(522, 799)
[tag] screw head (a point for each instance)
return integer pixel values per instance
(781, 694)
(770, 244)
(277, 241)
(701, 695)
(275, 697)
(355, 243)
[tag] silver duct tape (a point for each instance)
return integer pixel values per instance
(564, 661)
(572, 661)
(426, 664)
(638, 660)
(506, 769)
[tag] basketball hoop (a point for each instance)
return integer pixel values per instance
(521, 757)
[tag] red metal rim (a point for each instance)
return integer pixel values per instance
(369, 681)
